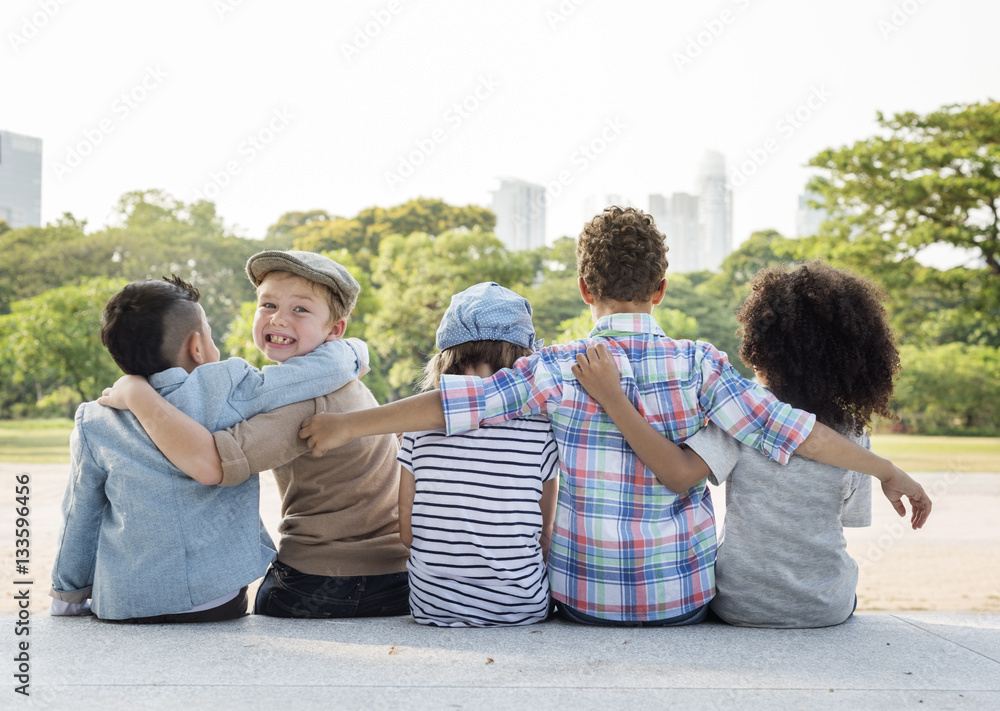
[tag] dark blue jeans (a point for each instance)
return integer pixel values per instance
(689, 618)
(285, 592)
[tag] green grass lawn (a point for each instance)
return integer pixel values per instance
(47, 441)
(35, 441)
(916, 453)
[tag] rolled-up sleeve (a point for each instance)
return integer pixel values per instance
(749, 412)
(263, 442)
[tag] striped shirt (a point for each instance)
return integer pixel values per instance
(476, 559)
(625, 547)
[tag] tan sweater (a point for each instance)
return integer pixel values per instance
(339, 512)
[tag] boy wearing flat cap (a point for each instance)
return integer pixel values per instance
(141, 540)
(339, 553)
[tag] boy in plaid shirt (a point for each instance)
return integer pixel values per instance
(625, 550)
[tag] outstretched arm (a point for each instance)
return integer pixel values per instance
(185, 442)
(830, 447)
(677, 468)
(327, 430)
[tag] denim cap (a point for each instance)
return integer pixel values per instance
(486, 312)
(308, 265)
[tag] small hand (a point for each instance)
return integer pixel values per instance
(118, 395)
(901, 484)
(325, 431)
(597, 373)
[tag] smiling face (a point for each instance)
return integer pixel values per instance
(293, 317)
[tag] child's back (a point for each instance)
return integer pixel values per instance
(470, 503)
(782, 558)
(818, 338)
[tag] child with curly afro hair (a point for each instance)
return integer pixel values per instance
(817, 337)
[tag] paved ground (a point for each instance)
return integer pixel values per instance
(876, 661)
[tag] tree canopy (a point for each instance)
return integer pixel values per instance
(924, 179)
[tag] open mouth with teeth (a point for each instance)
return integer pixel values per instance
(279, 340)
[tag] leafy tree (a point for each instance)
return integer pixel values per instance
(417, 276)
(949, 389)
(53, 342)
(362, 234)
(922, 180)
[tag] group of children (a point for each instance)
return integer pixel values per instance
(569, 479)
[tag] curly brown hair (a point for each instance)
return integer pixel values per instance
(820, 339)
(621, 256)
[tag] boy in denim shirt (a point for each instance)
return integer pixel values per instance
(142, 540)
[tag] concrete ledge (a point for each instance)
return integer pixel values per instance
(918, 660)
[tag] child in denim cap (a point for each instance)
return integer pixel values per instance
(140, 539)
(476, 509)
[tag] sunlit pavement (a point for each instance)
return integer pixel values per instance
(876, 661)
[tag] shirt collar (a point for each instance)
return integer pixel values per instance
(168, 377)
(632, 322)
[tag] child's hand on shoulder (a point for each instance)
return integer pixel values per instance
(325, 431)
(597, 373)
(123, 390)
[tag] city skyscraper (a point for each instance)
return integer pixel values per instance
(520, 210)
(698, 228)
(715, 211)
(808, 218)
(676, 217)
(20, 180)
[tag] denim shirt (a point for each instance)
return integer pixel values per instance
(140, 537)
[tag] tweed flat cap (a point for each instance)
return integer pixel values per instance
(308, 265)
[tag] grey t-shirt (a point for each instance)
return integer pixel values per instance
(782, 559)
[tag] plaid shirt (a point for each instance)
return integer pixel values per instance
(625, 547)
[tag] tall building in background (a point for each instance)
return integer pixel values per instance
(808, 218)
(20, 180)
(715, 212)
(699, 228)
(520, 210)
(676, 217)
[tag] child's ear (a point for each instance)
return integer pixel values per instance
(337, 330)
(660, 292)
(588, 298)
(196, 350)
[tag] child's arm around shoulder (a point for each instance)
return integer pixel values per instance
(677, 468)
(329, 367)
(329, 430)
(183, 440)
(828, 446)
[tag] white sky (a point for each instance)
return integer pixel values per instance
(548, 84)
